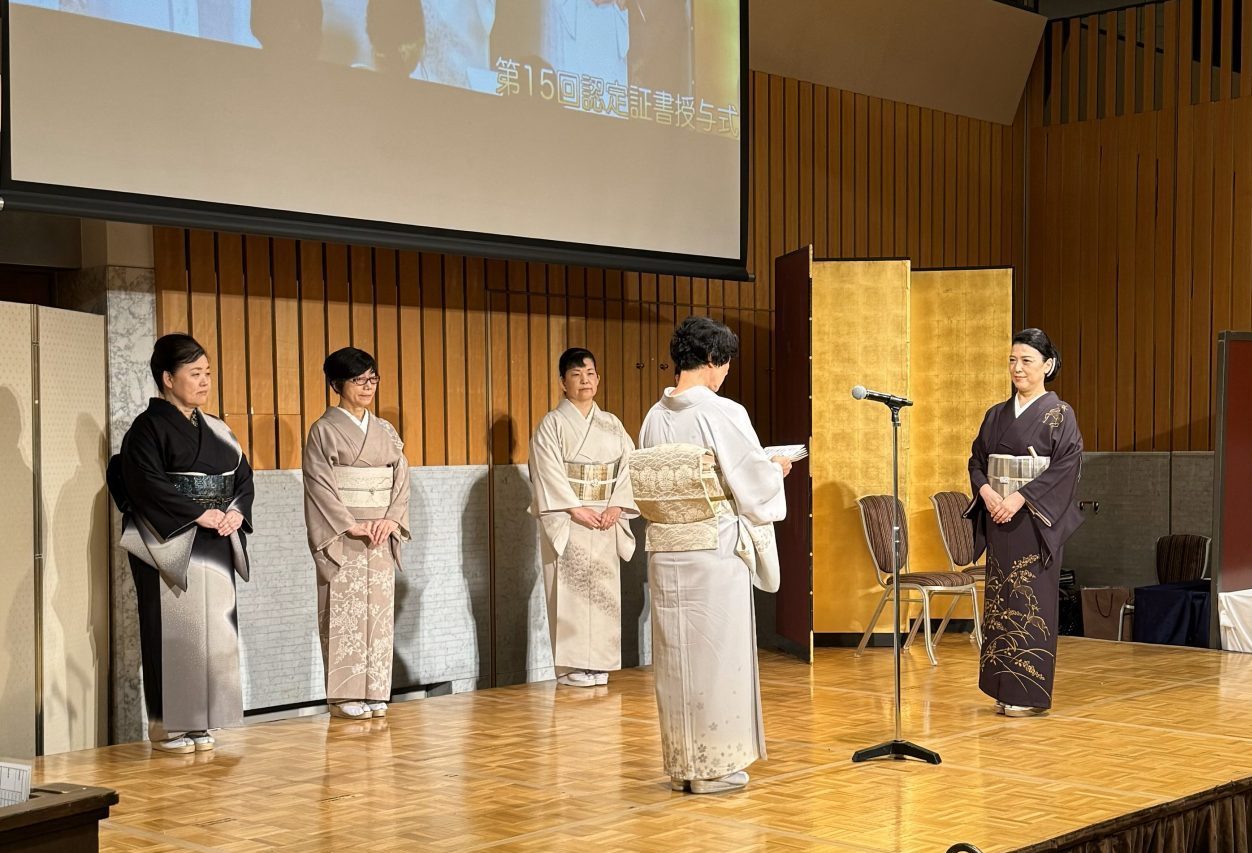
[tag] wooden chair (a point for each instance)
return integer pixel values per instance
(876, 519)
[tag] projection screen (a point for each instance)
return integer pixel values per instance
(591, 131)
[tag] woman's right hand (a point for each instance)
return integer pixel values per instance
(782, 462)
(991, 498)
(211, 519)
(588, 518)
(362, 530)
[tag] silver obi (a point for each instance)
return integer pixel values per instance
(1007, 474)
(212, 491)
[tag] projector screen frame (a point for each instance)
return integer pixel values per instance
(190, 213)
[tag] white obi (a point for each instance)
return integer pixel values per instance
(680, 491)
(364, 488)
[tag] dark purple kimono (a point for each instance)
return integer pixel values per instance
(1018, 661)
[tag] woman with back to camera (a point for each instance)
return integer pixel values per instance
(710, 495)
(185, 490)
(1024, 468)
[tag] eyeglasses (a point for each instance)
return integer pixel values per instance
(362, 381)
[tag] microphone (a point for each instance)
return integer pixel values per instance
(859, 392)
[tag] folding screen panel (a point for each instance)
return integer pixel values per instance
(960, 327)
(72, 453)
(54, 601)
(860, 333)
(1232, 493)
(18, 684)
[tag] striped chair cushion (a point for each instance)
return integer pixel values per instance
(946, 579)
(876, 513)
(1181, 557)
(958, 531)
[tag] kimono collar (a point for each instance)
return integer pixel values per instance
(1008, 422)
(347, 427)
(688, 399)
(163, 408)
(575, 417)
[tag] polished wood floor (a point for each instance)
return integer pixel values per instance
(536, 768)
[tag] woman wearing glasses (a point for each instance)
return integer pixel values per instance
(356, 509)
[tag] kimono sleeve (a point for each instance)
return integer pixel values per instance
(549, 482)
(325, 516)
(978, 457)
(755, 480)
(245, 491)
(623, 495)
(152, 495)
(398, 510)
(1051, 492)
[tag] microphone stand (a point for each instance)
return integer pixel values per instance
(897, 748)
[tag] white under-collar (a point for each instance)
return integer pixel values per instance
(363, 422)
(1019, 407)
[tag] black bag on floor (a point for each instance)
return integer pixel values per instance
(1069, 608)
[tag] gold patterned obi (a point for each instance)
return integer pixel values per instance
(592, 482)
(680, 491)
(364, 488)
(1007, 474)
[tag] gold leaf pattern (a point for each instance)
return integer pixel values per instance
(1015, 629)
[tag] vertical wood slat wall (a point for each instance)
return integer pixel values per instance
(467, 346)
(1140, 213)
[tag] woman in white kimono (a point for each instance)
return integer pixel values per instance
(356, 509)
(701, 572)
(580, 488)
(587, 37)
(185, 491)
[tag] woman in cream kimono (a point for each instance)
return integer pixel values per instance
(702, 565)
(356, 508)
(581, 496)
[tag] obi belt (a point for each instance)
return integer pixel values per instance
(680, 491)
(1007, 474)
(364, 488)
(592, 482)
(211, 491)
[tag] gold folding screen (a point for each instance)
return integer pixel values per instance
(938, 336)
(961, 325)
(859, 336)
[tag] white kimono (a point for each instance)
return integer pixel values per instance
(587, 38)
(571, 456)
(703, 623)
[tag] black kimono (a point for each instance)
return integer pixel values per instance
(168, 473)
(1018, 660)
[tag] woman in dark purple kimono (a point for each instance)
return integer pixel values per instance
(1024, 468)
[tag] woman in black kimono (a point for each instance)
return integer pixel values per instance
(185, 491)
(1024, 469)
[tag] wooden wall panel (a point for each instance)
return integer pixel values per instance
(1160, 184)
(467, 347)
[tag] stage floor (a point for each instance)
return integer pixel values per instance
(538, 768)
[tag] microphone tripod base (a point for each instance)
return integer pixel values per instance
(898, 750)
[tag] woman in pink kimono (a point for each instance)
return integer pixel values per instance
(356, 509)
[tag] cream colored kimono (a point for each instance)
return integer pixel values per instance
(352, 476)
(577, 461)
(708, 692)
